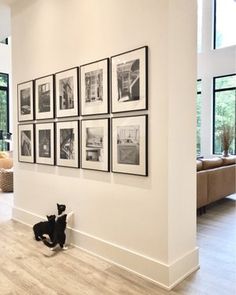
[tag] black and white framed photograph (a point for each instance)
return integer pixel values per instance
(67, 93)
(25, 95)
(44, 97)
(129, 87)
(95, 144)
(129, 145)
(67, 144)
(26, 143)
(94, 81)
(45, 151)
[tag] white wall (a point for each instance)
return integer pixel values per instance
(5, 29)
(211, 63)
(145, 224)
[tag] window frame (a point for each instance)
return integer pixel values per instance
(214, 25)
(6, 88)
(214, 108)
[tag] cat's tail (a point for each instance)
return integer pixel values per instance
(50, 244)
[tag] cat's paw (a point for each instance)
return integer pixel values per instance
(64, 248)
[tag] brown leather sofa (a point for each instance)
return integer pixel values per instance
(216, 179)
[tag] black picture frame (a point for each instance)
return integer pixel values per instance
(25, 101)
(26, 143)
(129, 81)
(95, 144)
(44, 93)
(94, 88)
(67, 144)
(130, 145)
(45, 143)
(67, 93)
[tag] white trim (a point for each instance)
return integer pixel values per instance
(164, 275)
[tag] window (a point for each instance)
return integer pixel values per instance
(4, 112)
(224, 110)
(224, 23)
(199, 107)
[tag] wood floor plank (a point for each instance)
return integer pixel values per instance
(27, 267)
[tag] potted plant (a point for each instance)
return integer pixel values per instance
(226, 138)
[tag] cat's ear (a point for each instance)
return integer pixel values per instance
(47, 216)
(58, 205)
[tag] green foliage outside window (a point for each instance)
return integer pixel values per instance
(199, 106)
(3, 80)
(3, 107)
(225, 110)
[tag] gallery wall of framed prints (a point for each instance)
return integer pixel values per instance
(77, 117)
(94, 88)
(26, 145)
(44, 98)
(25, 94)
(44, 142)
(67, 104)
(67, 144)
(95, 144)
(129, 145)
(129, 81)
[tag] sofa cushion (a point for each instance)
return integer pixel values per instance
(212, 163)
(3, 155)
(199, 165)
(229, 160)
(221, 182)
(6, 163)
(202, 193)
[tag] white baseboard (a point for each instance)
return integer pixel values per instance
(165, 276)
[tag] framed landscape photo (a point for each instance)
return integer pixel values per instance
(44, 98)
(67, 144)
(25, 92)
(45, 152)
(129, 87)
(67, 93)
(129, 145)
(26, 143)
(95, 144)
(94, 88)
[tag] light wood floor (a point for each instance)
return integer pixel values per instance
(27, 267)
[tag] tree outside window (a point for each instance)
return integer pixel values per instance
(224, 111)
(199, 107)
(4, 113)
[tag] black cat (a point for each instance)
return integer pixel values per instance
(59, 236)
(44, 227)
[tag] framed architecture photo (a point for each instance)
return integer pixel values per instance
(45, 152)
(44, 98)
(25, 95)
(129, 145)
(95, 144)
(67, 144)
(94, 81)
(26, 143)
(129, 87)
(67, 93)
